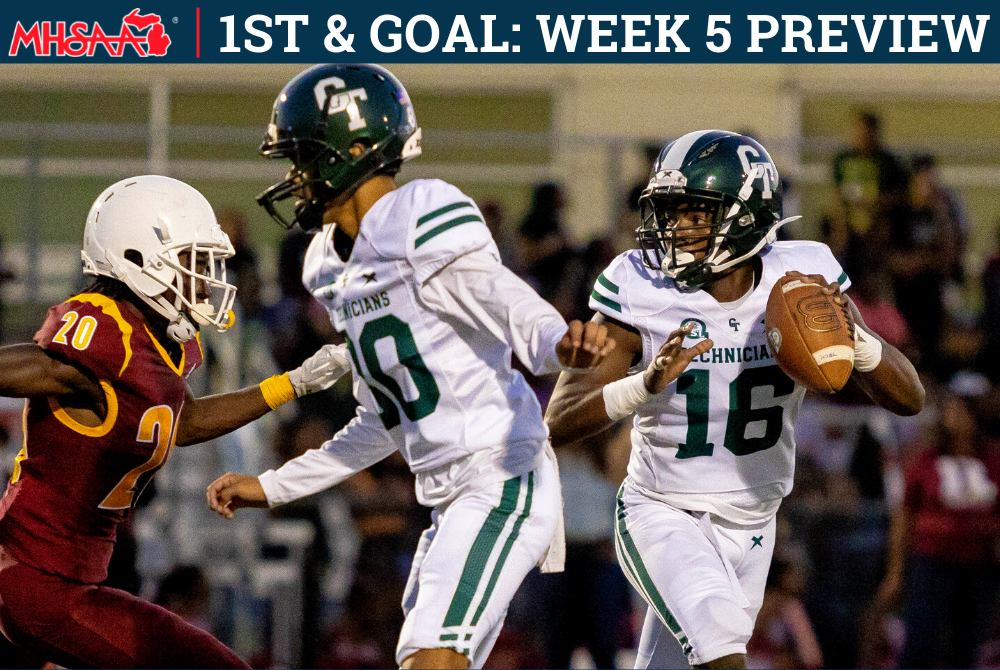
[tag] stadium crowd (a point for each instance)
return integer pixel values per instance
(889, 544)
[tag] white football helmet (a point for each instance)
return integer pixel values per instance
(137, 232)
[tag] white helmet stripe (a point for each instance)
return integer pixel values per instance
(680, 148)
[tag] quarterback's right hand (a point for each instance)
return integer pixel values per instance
(671, 360)
(231, 491)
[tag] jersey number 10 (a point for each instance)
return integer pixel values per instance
(406, 351)
(694, 384)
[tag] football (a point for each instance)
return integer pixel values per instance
(810, 335)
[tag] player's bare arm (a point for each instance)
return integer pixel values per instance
(578, 407)
(28, 371)
(203, 419)
(207, 418)
(893, 383)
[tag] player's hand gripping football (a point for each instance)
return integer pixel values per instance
(672, 359)
(584, 346)
(231, 491)
(867, 345)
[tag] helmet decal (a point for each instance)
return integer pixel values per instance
(341, 102)
(762, 170)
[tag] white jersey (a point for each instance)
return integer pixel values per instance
(440, 386)
(721, 437)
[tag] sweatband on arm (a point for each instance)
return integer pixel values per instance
(277, 390)
(623, 396)
(867, 350)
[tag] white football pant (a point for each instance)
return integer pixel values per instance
(703, 577)
(472, 559)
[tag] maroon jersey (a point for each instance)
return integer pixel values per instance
(72, 483)
(955, 506)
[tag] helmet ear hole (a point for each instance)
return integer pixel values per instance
(133, 256)
(360, 147)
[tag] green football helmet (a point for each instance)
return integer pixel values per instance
(730, 177)
(318, 116)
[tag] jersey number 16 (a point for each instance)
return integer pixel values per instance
(694, 384)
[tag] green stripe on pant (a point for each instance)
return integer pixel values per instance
(505, 551)
(479, 555)
(638, 568)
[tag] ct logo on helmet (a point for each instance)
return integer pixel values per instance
(699, 330)
(341, 102)
(761, 169)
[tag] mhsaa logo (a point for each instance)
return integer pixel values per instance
(143, 32)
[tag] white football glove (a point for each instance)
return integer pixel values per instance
(321, 370)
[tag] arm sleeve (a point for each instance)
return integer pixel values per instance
(360, 444)
(479, 291)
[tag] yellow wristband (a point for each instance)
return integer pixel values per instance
(277, 390)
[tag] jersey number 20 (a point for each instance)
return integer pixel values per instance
(390, 326)
(156, 426)
(694, 384)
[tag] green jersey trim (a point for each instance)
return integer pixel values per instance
(444, 227)
(607, 283)
(442, 210)
(505, 551)
(640, 576)
(607, 302)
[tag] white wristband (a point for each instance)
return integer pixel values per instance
(867, 350)
(623, 396)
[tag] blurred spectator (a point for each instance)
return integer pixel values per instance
(5, 276)
(927, 247)
(298, 323)
(942, 545)
(628, 215)
(329, 559)
(388, 522)
(243, 266)
(496, 220)
(871, 294)
(783, 636)
(991, 309)
(551, 265)
(650, 152)
(871, 188)
(588, 603)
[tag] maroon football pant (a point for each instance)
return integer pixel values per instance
(81, 625)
